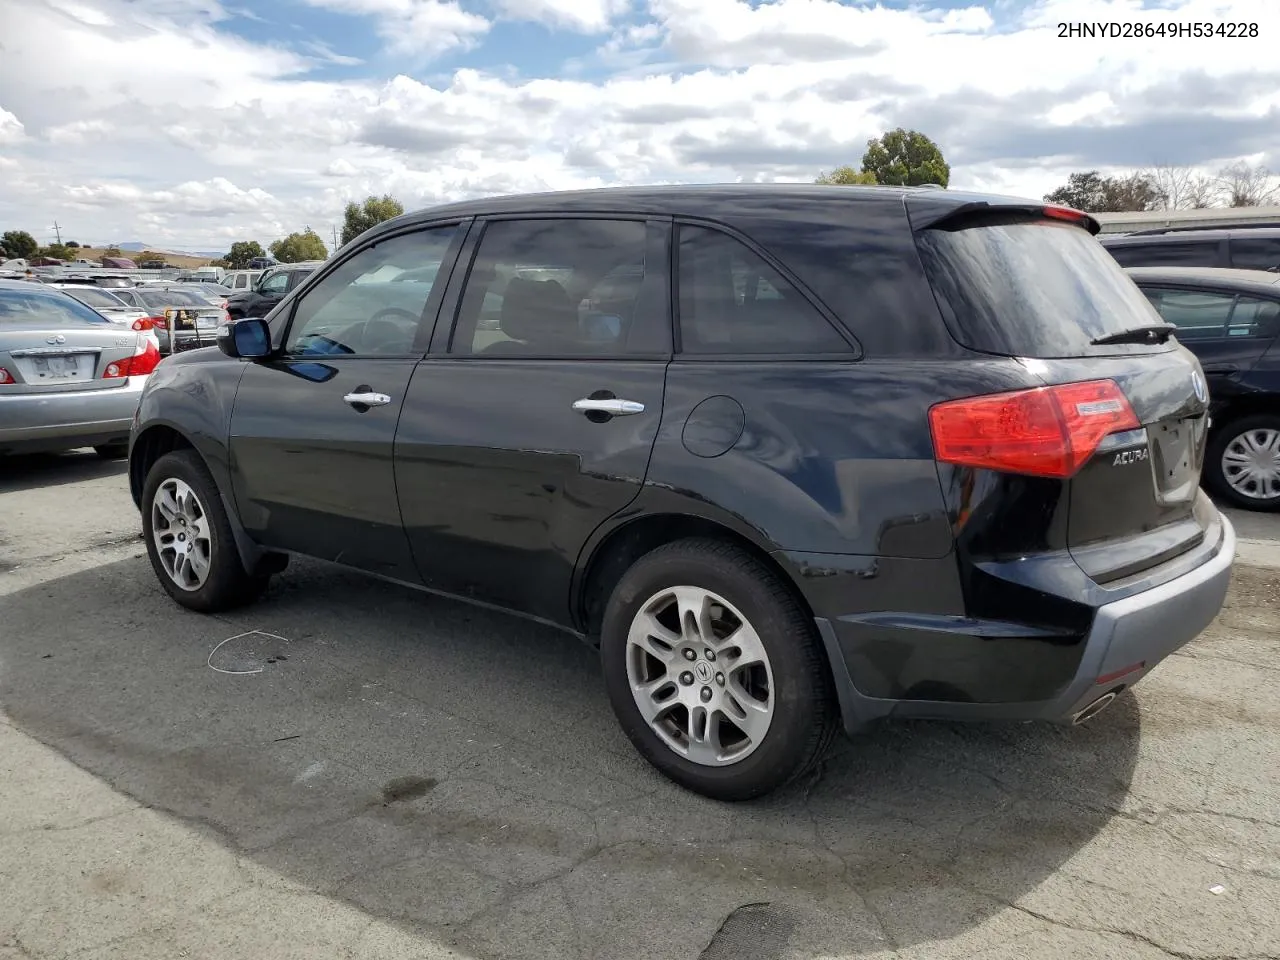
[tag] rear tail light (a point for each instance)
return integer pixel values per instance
(140, 364)
(159, 323)
(143, 324)
(1043, 432)
(6, 376)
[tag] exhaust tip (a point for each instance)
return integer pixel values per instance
(1095, 708)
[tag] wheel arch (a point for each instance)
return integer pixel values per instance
(614, 549)
(160, 438)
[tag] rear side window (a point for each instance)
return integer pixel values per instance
(1254, 318)
(1032, 289)
(1198, 314)
(1165, 254)
(1255, 253)
(732, 302)
(98, 299)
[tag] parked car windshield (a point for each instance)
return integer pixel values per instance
(1033, 289)
(35, 309)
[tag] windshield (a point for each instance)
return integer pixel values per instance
(34, 309)
(98, 299)
(159, 299)
(1033, 289)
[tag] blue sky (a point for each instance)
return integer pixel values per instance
(193, 123)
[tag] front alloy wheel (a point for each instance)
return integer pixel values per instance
(181, 533)
(700, 675)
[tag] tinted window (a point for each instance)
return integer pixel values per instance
(159, 299)
(1032, 289)
(1166, 254)
(23, 308)
(99, 299)
(732, 302)
(1254, 318)
(358, 309)
(1256, 253)
(1198, 314)
(553, 288)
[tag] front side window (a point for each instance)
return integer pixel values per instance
(553, 288)
(1198, 314)
(732, 302)
(359, 309)
(1253, 317)
(1256, 253)
(276, 283)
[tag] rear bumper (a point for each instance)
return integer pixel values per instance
(1126, 640)
(42, 422)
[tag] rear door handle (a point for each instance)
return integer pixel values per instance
(613, 406)
(367, 399)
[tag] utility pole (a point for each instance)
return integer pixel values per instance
(334, 228)
(57, 230)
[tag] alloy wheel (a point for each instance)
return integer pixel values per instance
(700, 675)
(180, 530)
(1251, 464)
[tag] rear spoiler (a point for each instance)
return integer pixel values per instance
(926, 213)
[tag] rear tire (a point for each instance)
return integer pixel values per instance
(112, 451)
(1239, 439)
(700, 636)
(189, 538)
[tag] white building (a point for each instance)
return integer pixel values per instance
(1208, 219)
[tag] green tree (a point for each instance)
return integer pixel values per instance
(242, 251)
(113, 251)
(220, 262)
(73, 245)
(19, 244)
(1091, 192)
(905, 158)
(306, 245)
(846, 176)
(58, 251)
(357, 218)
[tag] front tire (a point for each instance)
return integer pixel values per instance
(189, 538)
(715, 670)
(1242, 462)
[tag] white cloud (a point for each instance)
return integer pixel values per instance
(422, 27)
(166, 128)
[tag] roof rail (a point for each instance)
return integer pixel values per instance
(1224, 225)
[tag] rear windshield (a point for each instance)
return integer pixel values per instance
(159, 299)
(42, 310)
(1033, 289)
(98, 299)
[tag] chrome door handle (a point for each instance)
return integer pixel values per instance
(367, 399)
(614, 406)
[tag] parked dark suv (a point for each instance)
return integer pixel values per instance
(1230, 319)
(789, 455)
(1241, 247)
(272, 287)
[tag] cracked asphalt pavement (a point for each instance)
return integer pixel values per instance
(350, 762)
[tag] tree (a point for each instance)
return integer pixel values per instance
(1184, 188)
(18, 244)
(306, 245)
(1246, 186)
(242, 251)
(73, 245)
(905, 158)
(357, 218)
(846, 176)
(220, 262)
(1091, 192)
(113, 251)
(57, 251)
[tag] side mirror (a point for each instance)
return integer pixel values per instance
(247, 339)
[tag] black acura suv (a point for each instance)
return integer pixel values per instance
(793, 457)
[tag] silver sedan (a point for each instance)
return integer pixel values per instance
(68, 376)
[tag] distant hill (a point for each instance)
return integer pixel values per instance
(136, 246)
(186, 261)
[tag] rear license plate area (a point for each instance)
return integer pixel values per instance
(51, 369)
(1177, 449)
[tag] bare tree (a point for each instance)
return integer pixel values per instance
(1185, 188)
(1246, 186)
